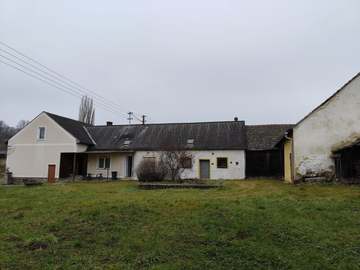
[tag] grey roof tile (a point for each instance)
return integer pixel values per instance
(207, 136)
(75, 128)
(265, 137)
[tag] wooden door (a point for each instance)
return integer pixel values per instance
(51, 173)
(204, 169)
(129, 165)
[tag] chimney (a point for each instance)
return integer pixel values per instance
(236, 119)
(109, 123)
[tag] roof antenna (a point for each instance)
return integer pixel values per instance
(143, 121)
(130, 118)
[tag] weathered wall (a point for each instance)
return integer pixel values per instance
(329, 128)
(232, 172)
(287, 160)
(29, 157)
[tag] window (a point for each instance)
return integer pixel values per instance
(41, 133)
(104, 163)
(150, 160)
(127, 142)
(186, 163)
(222, 163)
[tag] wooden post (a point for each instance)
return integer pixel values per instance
(268, 163)
(74, 167)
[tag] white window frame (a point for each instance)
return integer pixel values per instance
(39, 133)
(98, 162)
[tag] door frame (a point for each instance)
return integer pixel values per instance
(199, 170)
(51, 180)
(127, 166)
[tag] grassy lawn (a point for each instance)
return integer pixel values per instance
(245, 225)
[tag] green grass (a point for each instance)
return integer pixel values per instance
(245, 225)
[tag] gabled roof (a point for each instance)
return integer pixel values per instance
(75, 128)
(225, 135)
(206, 136)
(330, 98)
(322, 104)
(265, 137)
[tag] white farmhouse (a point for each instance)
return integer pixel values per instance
(53, 147)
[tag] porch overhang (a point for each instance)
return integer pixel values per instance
(108, 151)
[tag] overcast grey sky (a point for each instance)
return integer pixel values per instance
(181, 60)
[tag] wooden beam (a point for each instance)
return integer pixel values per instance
(74, 167)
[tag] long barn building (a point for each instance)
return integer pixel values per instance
(54, 147)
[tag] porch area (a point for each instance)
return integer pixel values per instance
(347, 164)
(99, 165)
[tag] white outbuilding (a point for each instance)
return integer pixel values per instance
(325, 143)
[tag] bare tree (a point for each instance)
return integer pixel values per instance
(87, 110)
(175, 162)
(6, 131)
(21, 124)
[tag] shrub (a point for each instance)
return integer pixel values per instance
(151, 170)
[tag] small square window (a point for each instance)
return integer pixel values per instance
(190, 141)
(222, 163)
(127, 142)
(41, 133)
(186, 163)
(150, 159)
(104, 163)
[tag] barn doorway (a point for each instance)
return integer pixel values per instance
(269, 163)
(347, 164)
(68, 167)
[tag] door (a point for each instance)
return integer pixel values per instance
(204, 169)
(51, 173)
(129, 165)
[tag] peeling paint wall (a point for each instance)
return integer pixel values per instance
(332, 126)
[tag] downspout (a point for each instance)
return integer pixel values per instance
(292, 158)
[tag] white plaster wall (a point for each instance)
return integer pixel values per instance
(232, 172)
(118, 162)
(332, 126)
(29, 157)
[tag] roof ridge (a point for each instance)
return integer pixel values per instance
(329, 98)
(175, 123)
(67, 118)
(88, 133)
